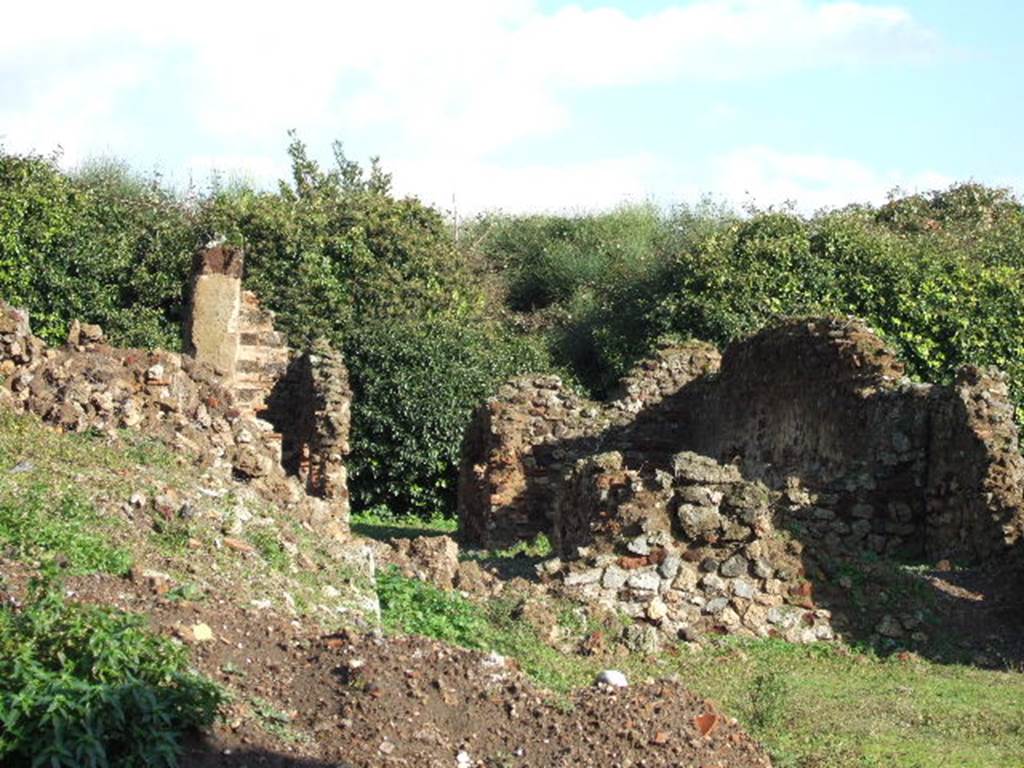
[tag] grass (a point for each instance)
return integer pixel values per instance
(67, 530)
(414, 607)
(382, 525)
(823, 705)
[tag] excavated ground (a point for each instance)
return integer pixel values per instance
(303, 698)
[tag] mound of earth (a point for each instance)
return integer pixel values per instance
(303, 698)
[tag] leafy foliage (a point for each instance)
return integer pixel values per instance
(416, 384)
(103, 245)
(88, 686)
(941, 276)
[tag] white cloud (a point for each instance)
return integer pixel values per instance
(766, 176)
(451, 82)
(480, 186)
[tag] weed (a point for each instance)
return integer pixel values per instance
(276, 722)
(85, 685)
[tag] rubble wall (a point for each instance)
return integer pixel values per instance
(818, 410)
(310, 406)
(684, 552)
(215, 405)
(521, 443)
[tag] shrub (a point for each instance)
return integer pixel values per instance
(89, 686)
(416, 384)
(103, 245)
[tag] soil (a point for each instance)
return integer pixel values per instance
(303, 698)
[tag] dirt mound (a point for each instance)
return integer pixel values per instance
(302, 698)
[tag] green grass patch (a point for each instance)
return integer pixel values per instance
(382, 525)
(414, 607)
(66, 529)
(90, 686)
(821, 706)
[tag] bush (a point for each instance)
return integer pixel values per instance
(416, 384)
(940, 276)
(103, 246)
(89, 686)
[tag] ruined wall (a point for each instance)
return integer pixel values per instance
(214, 404)
(262, 356)
(521, 443)
(871, 460)
(228, 330)
(310, 406)
(819, 410)
(87, 384)
(975, 490)
(514, 451)
(685, 553)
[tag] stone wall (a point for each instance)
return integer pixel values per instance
(686, 552)
(89, 385)
(241, 400)
(521, 442)
(812, 419)
(311, 407)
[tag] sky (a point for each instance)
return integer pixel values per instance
(532, 105)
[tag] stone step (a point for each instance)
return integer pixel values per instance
(251, 337)
(268, 369)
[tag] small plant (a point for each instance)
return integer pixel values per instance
(768, 699)
(276, 722)
(90, 686)
(269, 546)
(414, 607)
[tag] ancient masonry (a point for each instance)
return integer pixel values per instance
(702, 495)
(238, 398)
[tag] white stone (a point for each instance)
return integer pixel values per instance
(612, 677)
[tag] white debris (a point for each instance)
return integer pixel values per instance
(613, 678)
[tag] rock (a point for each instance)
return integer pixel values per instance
(579, 578)
(735, 566)
(709, 565)
(644, 581)
(656, 610)
(694, 469)
(743, 588)
(642, 638)
(611, 677)
(698, 522)
(614, 577)
(670, 566)
(639, 546)
(202, 633)
(716, 605)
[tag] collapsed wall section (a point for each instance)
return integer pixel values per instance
(521, 443)
(684, 553)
